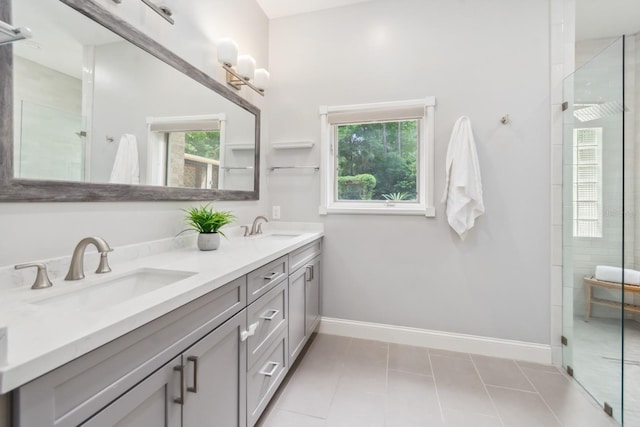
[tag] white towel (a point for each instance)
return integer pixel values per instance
(463, 188)
(614, 274)
(126, 169)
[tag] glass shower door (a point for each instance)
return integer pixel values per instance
(50, 145)
(594, 229)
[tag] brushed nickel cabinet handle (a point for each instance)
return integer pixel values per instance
(309, 276)
(180, 400)
(271, 276)
(274, 368)
(194, 359)
(271, 316)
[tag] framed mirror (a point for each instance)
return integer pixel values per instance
(91, 109)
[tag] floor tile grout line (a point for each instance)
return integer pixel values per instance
(540, 394)
(435, 386)
(411, 373)
(493, 403)
(302, 413)
(512, 389)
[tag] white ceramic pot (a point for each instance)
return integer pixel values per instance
(208, 241)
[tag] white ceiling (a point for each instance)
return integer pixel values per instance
(596, 19)
(279, 8)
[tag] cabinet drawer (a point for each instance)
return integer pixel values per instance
(301, 256)
(271, 313)
(265, 377)
(259, 281)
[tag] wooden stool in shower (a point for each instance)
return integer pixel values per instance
(590, 282)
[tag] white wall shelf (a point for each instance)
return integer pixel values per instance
(291, 145)
(244, 147)
(275, 168)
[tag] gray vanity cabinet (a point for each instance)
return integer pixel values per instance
(304, 296)
(150, 403)
(216, 361)
(204, 386)
(215, 378)
(312, 295)
(129, 367)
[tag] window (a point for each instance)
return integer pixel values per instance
(186, 151)
(378, 158)
(587, 182)
(194, 159)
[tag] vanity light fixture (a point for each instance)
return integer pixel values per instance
(241, 69)
(9, 34)
(163, 11)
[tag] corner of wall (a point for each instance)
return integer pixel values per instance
(562, 48)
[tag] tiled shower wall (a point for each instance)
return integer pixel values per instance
(587, 253)
(52, 97)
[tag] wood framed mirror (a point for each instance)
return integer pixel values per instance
(91, 109)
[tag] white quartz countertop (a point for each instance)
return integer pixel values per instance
(36, 338)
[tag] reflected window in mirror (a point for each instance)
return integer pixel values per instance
(186, 151)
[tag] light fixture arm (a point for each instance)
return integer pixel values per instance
(163, 11)
(236, 81)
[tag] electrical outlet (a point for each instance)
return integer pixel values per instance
(275, 212)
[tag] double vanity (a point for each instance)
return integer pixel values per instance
(178, 338)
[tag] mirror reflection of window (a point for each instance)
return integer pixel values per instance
(186, 151)
(194, 159)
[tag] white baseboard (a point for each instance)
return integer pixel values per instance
(495, 347)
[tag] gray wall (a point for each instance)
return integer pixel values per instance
(32, 231)
(480, 59)
(126, 75)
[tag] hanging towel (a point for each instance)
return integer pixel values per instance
(126, 169)
(463, 188)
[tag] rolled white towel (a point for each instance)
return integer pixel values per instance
(614, 274)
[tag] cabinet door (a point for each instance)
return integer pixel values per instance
(312, 294)
(215, 377)
(150, 403)
(297, 285)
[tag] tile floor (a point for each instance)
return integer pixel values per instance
(348, 382)
(597, 348)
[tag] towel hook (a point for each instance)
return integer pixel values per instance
(505, 120)
(110, 138)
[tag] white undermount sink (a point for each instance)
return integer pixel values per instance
(110, 290)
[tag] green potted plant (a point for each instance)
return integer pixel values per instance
(208, 222)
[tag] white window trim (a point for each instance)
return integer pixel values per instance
(426, 207)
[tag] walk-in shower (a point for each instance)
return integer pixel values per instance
(601, 324)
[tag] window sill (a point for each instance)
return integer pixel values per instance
(385, 210)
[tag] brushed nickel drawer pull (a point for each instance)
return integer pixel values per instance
(180, 399)
(194, 359)
(271, 276)
(272, 316)
(274, 368)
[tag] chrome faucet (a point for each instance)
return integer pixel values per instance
(256, 227)
(76, 268)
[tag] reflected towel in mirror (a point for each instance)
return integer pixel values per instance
(126, 168)
(463, 188)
